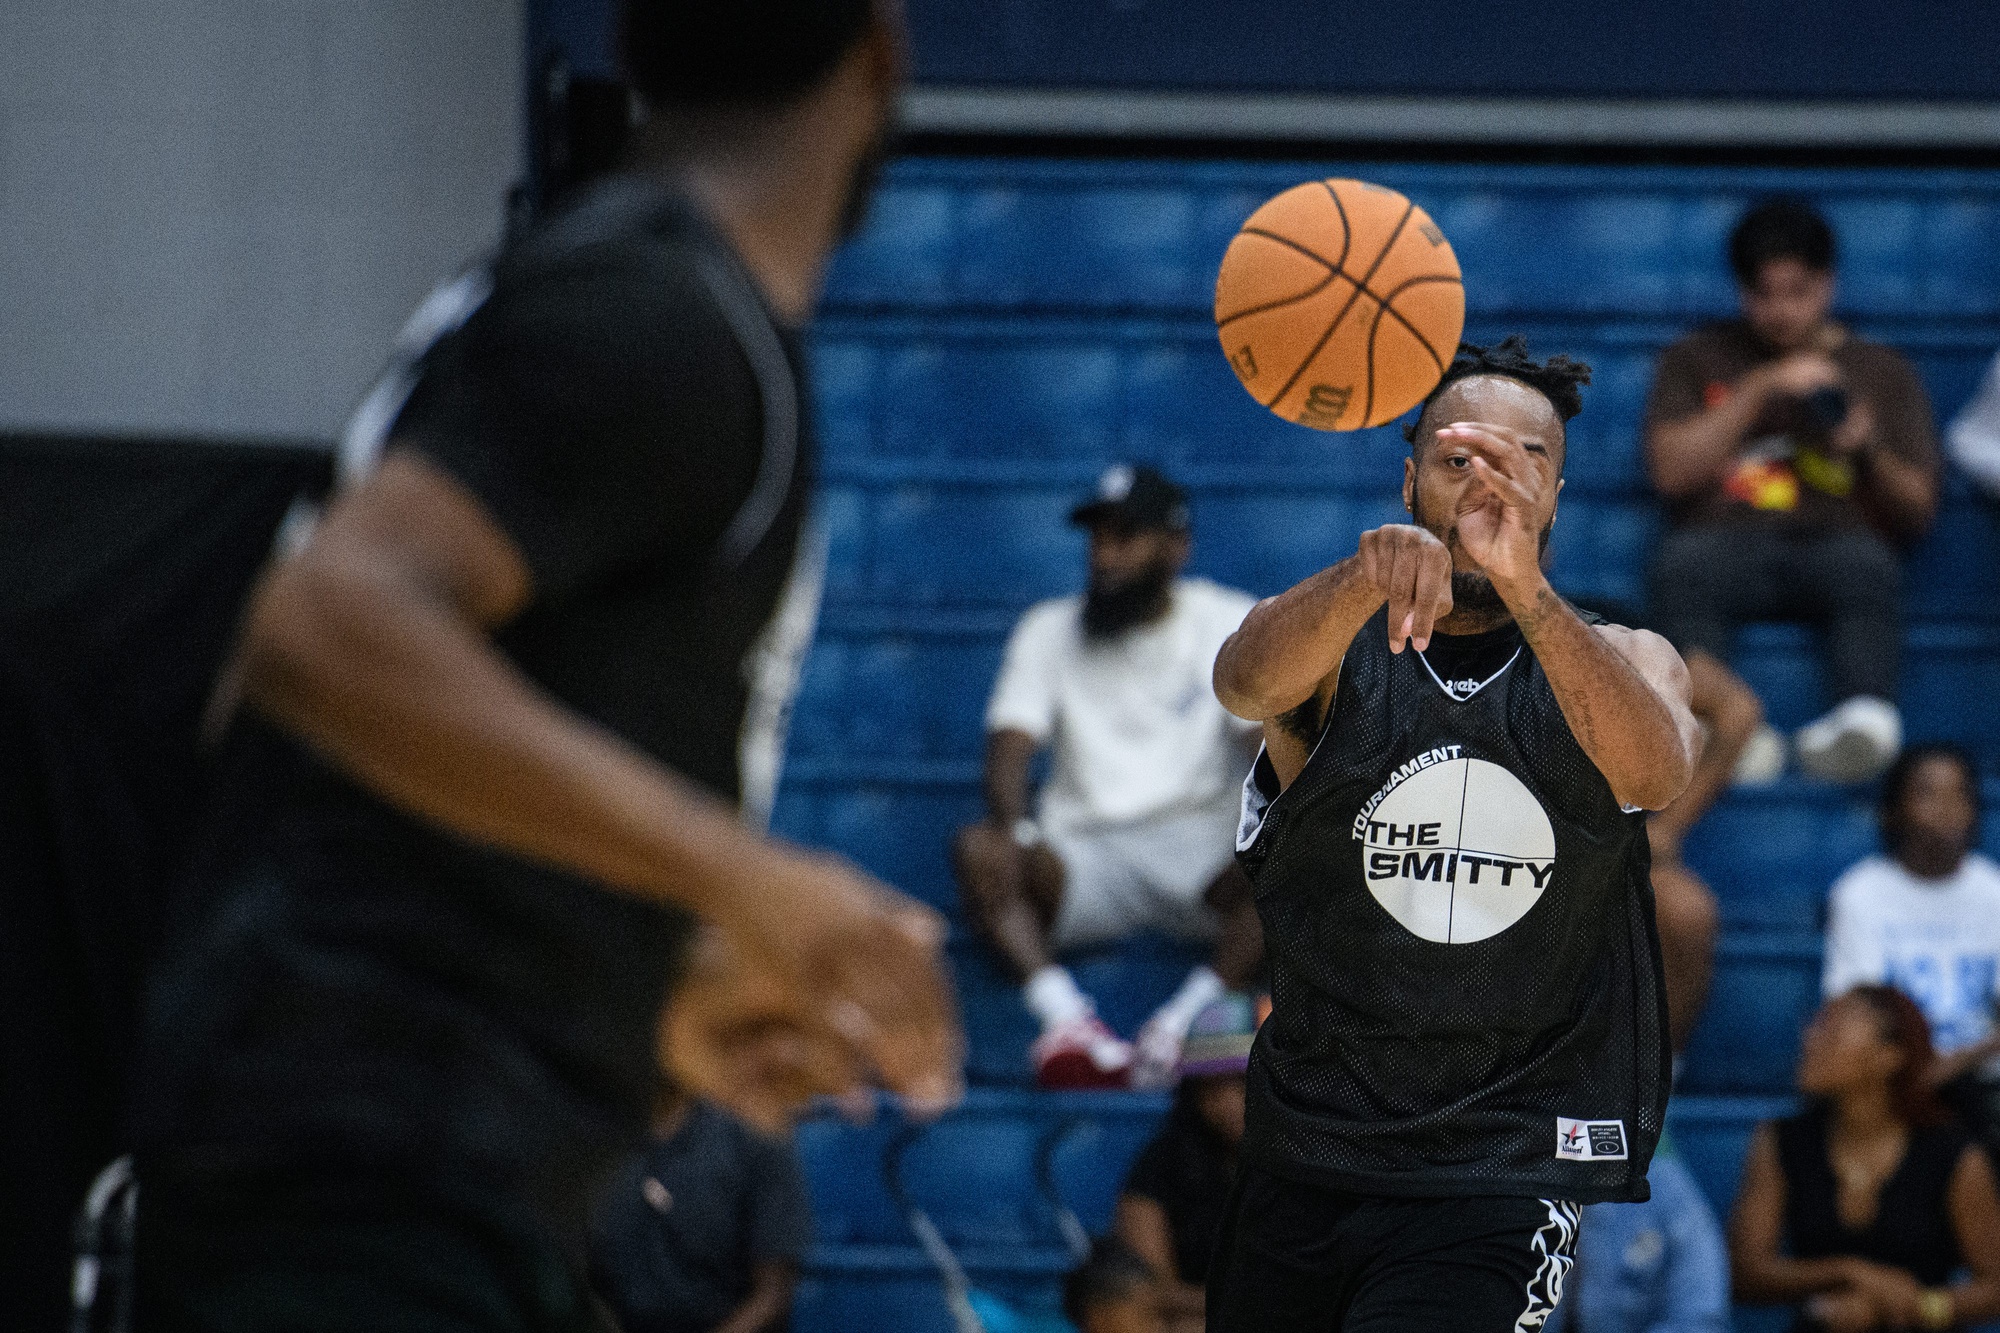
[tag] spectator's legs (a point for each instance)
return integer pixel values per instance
(1012, 896)
(1689, 922)
(1009, 894)
(1706, 581)
(1851, 583)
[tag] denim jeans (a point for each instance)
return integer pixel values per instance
(1653, 1267)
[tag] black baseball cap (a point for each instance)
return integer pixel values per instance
(1135, 497)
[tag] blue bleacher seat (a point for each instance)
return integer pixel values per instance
(1771, 854)
(975, 1173)
(1766, 986)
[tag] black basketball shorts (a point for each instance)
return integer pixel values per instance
(1298, 1258)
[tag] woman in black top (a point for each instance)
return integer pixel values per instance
(1862, 1208)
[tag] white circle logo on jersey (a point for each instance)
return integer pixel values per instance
(1457, 851)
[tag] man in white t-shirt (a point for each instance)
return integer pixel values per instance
(1926, 919)
(1135, 828)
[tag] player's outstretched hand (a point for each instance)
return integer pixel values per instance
(841, 979)
(1412, 569)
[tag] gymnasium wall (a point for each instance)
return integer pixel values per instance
(215, 213)
(1833, 49)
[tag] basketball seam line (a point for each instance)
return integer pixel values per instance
(1336, 271)
(1346, 227)
(1323, 284)
(1396, 231)
(1384, 302)
(1333, 271)
(1316, 258)
(1383, 307)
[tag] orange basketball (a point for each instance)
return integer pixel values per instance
(1339, 304)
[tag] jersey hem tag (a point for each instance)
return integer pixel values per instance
(1590, 1140)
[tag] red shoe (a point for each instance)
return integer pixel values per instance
(1082, 1053)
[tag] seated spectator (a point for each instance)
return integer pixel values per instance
(1792, 454)
(1974, 437)
(1861, 1209)
(1178, 1189)
(1113, 1292)
(705, 1230)
(1136, 827)
(1926, 920)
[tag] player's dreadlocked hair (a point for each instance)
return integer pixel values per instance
(1560, 379)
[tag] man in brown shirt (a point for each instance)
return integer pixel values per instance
(1793, 456)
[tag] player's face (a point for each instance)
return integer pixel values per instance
(1438, 481)
(1844, 1050)
(1788, 303)
(1937, 817)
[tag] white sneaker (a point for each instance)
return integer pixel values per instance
(1762, 761)
(1853, 743)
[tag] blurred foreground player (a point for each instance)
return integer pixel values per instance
(1469, 1036)
(497, 715)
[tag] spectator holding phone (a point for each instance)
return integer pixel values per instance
(1793, 456)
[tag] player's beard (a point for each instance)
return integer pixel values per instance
(1139, 600)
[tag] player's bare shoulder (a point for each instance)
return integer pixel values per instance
(1650, 655)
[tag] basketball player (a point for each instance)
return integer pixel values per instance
(1469, 1033)
(496, 718)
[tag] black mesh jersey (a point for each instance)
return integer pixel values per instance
(1466, 980)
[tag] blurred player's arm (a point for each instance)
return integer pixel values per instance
(1623, 692)
(1280, 668)
(372, 645)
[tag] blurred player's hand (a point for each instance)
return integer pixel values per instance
(1412, 570)
(819, 981)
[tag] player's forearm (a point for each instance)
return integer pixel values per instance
(399, 691)
(1288, 644)
(1633, 736)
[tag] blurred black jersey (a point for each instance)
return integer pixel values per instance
(351, 982)
(1459, 916)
